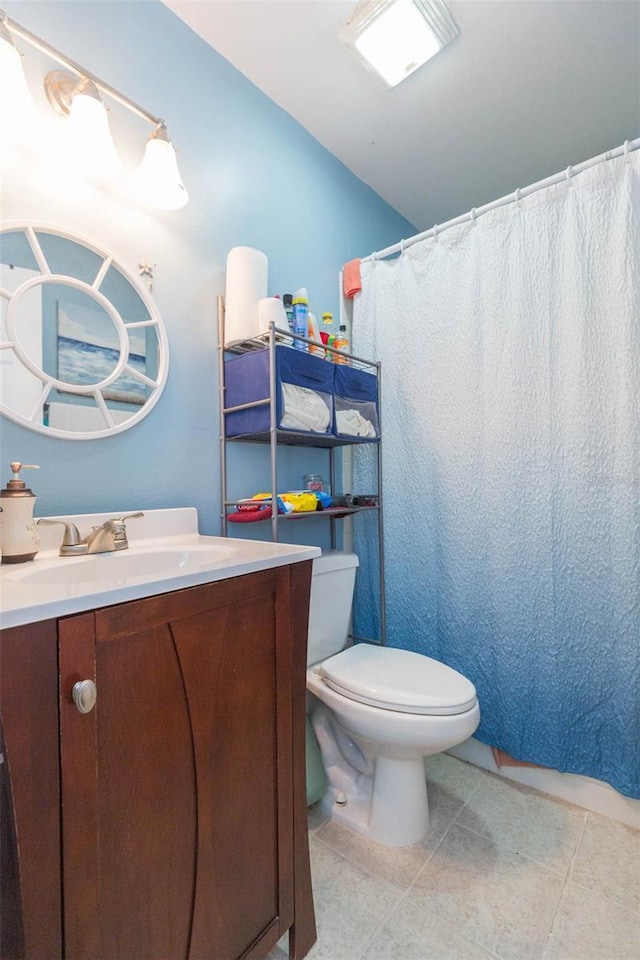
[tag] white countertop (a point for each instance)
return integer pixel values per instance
(165, 553)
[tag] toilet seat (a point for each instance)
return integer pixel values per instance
(398, 680)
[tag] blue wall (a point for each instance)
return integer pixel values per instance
(255, 177)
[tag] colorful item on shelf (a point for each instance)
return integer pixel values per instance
(246, 513)
(300, 501)
(293, 501)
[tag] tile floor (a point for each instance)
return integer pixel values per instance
(505, 872)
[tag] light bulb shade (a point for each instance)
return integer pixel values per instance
(16, 105)
(93, 150)
(157, 182)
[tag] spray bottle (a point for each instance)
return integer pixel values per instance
(300, 317)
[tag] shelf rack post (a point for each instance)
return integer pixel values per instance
(222, 405)
(273, 427)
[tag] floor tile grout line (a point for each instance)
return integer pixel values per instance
(525, 856)
(380, 926)
(450, 926)
(570, 878)
(489, 950)
(564, 884)
(528, 788)
(576, 845)
(361, 866)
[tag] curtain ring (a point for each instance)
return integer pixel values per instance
(516, 195)
(373, 257)
(569, 172)
(401, 247)
(626, 151)
(435, 231)
(472, 214)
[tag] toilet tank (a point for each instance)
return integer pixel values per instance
(332, 583)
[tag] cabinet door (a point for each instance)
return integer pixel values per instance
(29, 794)
(176, 787)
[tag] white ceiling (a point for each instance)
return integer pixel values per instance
(529, 87)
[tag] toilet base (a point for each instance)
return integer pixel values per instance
(374, 759)
(390, 807)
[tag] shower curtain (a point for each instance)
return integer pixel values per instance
(510, 349)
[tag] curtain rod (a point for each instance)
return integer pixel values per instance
(625, 149)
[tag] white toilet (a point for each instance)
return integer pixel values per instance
(376, 713)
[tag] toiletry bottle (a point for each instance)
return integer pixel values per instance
(287, 301)
(18, 533)
(314, 334)
(341, 342)
(300, 319)
(327, 321)
(326, 333)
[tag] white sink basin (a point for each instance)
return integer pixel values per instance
(127, 565)
(165, 553)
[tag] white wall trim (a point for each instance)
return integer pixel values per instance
(585, 792)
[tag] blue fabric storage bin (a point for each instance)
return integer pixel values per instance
(304, 392)
(355, 401)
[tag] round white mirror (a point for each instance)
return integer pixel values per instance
(83, 351)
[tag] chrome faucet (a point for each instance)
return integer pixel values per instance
(109, 536)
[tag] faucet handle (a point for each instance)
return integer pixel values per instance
(71, 533)
(117, 521)
(117, 530)
(70, 539)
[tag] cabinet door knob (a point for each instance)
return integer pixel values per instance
(84, 695)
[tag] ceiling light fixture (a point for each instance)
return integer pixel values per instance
(78, 95)
(395, 37)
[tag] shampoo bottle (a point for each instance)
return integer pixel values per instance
(18, 533)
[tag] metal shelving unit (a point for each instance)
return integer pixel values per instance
(275, 437)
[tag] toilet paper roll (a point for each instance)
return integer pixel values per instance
(246, 284)
(271, 308)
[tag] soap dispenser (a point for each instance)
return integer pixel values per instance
(18, 533)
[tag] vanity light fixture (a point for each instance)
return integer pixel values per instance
(158, 181)
(93, 150)
(395, 37)
(78, 95)
(17, 109)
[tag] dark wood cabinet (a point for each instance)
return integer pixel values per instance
(180, 797)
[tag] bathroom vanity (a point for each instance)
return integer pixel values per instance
(168, 820)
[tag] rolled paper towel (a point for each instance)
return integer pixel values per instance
(271, 308)
(247, 284)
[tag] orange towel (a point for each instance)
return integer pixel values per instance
(351, 280)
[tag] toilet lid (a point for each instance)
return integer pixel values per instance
(398, 680)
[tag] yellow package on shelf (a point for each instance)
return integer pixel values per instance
(298, 502)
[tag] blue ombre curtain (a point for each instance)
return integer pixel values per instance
(510, 351)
